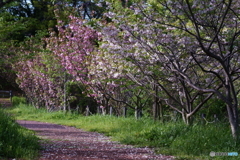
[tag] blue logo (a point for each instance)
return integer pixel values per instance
(232, 153)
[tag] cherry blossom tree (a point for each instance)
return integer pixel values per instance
(148, 68)
(191, 46)
(73, 46)
(211, 39)
(39, 76)
(109, 76)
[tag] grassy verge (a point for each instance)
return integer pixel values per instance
(184, 142)
(16, 141)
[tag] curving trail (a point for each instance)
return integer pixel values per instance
(68, 143)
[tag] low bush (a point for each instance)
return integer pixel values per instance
(18, 100)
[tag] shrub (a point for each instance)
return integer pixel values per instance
(18, 100)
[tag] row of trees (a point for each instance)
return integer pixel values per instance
(138, 54)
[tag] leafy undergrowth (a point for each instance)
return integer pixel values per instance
(16, 141)
(177, 139)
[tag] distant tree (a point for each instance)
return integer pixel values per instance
(72, 47)
(24, 19)
(39, 75)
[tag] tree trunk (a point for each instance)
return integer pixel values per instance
(161, 111)
(232, 105)
(87, 111)
(105, 106)
(156, 110)
(186, 118)
(124, 111)
(98, 110)
(65, 93)
(138, 112)
(110, 110)
(233, 120)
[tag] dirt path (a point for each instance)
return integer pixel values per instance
(5, 102)
(68, 143)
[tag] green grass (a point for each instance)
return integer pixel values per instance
(184, 142)
(16, 141)
(18, 100)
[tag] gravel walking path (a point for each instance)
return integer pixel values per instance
(68, 143)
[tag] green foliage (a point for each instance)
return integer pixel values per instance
(77, 97)
(16, 141)
(215, 107)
